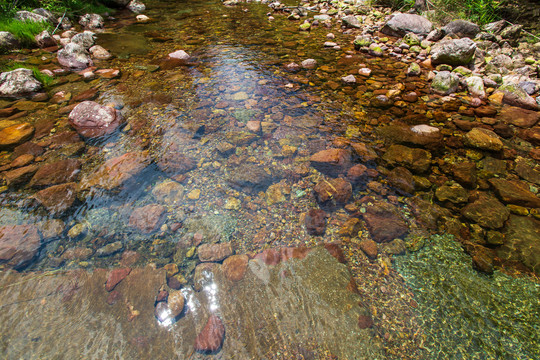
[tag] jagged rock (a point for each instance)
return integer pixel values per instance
(453, 52)
(57, 198)
(331, 161)
(18, 83)
(461, 28)
(400, 24)
(337, 190)
(516, 96)
(515, 192)
(487, 211)
(417, 160)
(18, 244)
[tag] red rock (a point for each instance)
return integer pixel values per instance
(18, 244)
(176, 302)
(19, 176)
(383, 223)
(117, 171)
(235, 266)
(162, 296)
(115, 276)
(315, 221)
(210, 339)
(519, 117)
(331, 161)
(114, 297)
(289, 253)
(59, 172)
(129, 257)
(91, 119)
(485, 111)
(108, 73)
(269, 256)
(28, 148)
(365, 322)
(89, 94)
(369, 247)
(356, 172)
(147, 218)
(214, 252)
(335, 251)
(57, 198)
(173, 162)
(515, 192)
(22, 160)
(338, 190)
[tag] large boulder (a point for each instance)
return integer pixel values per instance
(7, 41)
(18, 83)
(453, 52)
(91, 119)
(85, 39)
(400, 24)
(74, 56)
(461, 28)
(18, 244)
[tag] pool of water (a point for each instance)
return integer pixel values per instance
(220, 151)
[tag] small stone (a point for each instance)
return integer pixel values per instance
(110, 249)
(235, 266)
(14, 135)
(338, 190)
(210, 339)
(315, 221)
(309, 64)
(194, 194)
(369, 247)
(484, 139)
(115, 277)
(214, 252)
(365, 322)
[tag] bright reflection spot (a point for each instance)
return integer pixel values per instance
(165, 317)
(211, 290)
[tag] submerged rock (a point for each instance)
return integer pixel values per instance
(14, 135)
(487, 211)
(331, 161)
(336, 190)
(57, 198)
(210, 339)
(484, 139)
(234, 267)
(214, 252)
(384, 223)
(18, 83)
(55, 173)
(148, 218)
(315, 222)
(18, 244)
(91, 119)
(515, 192)
(417, 160)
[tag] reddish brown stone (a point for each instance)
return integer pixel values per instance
(7, 112)
(162, 296)
(22, 160)
(335, 251)
(519, 117)
(214, 252)
(338, 190)
(114, 297)
(356, 172)
(515, 192)
(89, 94)
(234, 267)
(369, 247)
(331, 161)
(14, 135)
(129, 257)
(485, 111)
(91, 119)
(18, 244)
(19, 176)
(365, 321)
(269, 256)
(383, 223)
(176, 302)
(210, 339)
(315, 221)
(57, 198)
(59, 172)
(28, 148)
(289, 253)
(148, 218)
(115, 276)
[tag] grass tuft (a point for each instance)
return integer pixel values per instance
(24, 31)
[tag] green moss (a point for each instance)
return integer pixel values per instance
(469, 315)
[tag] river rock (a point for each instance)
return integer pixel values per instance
(214, 252)
(92, 21)
(445, 83)
(18, 83)
(110, 249)
(331, 161)
(484, 139)
(315, 222)
(487, 211)
(57, 198)
(422, 135)
(210, 339)
(115, 277)
(402, 179)
(136, 6)
(519, 117)
(24, 15)
(117, 171)
(74, 56)
(521, 241)
(351, 21)
(173, 162)
(475, 85)
(55, 173)
(400, 24)
(512, 32)
(147, 219)
(369, 247)
(453, 52)
(85, 39)
(99, 52)
(176, 302)
(515, 192)
(45, 39)
(309, 64)
(250, 176)
(91, 119)
(461, 28)
(416, 160)
(14, 135)
(516, 96)
(465, 173)
(454, 193)
(168, 192)
(18, 244)
(235, 266)
(337, 190)
(7, 41)
(179, 55)
(384, 222)
(19, 176)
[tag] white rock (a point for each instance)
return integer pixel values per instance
(142, 18)
(179, 54)
(424, 129)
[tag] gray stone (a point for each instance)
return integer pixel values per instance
(351, 21)
(30, 16)
(74, 56)
(85, 39)
(475, 85)
(92, 21)
(136, 6)
(453, 52)
(18, 83)
(461, 28)
(400, 24)
(445, 83)
(7, 41)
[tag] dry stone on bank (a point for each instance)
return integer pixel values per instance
(18, 83)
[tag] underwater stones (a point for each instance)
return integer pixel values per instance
(20, 175)
(423, 135)
(18, 244)
(14, 135)
(486, 211)
(465, 173)
(110, 249)
(309, 64)
(445, 82)
(337, 190)
(18, 83)
(74, 56)
(515, 192)
(176, 302)
(400, 24)
(275, 194)
(168, 192)
(369, 247)
(92, 21)
(147, 219)
(57, 198)
(402, 179)
(453, 52)
(416, 160)
(234, 267)
(384, 223)
(356, 173)
(117, 171)
(484, 139)
(381, 102)
(214, 252)
(315, 222)
(519, 117)
(210, 339)
(521, 241)
(173, 162)
(292, 67)
(115, 277)
(55, 173)
(331, 161)
(91, 119)
(461, 28)
(251, 176)
(454, 193)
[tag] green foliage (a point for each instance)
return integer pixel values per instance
(24, 31)
(58, 7)
(46, 80)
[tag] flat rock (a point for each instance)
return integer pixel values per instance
(519, 117)
(234, 267)
(57, 198)
(384, 223)
(214, 252)
(20, 175)
(331, 161)
(315, 222)
(416, 160)
(115, 276)
(14, 135)
(176, 302)
(147, 219)
(486, 211)
(338, 190)
(400, 24)
(515, 192)
(521, 242)
(484, 139)
(59, 172)
(18, 244)
(211, 337)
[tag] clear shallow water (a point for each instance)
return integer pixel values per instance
(236, 75)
